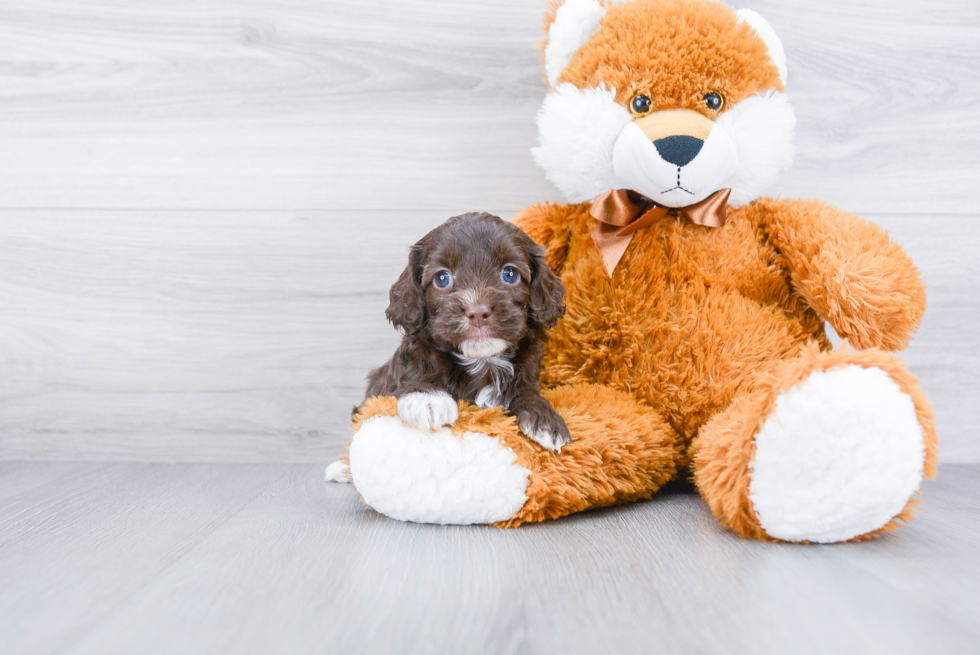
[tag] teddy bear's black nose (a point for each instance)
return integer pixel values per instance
(679, 150)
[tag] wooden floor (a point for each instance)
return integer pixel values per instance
(236, 558)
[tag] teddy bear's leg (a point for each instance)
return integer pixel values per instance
(483, 470)
(831, 446)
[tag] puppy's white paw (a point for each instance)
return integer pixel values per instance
(428, 410)
(336, 472)
(546, 438)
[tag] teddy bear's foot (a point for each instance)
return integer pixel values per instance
(831, 448)
(839, 456)
(414, 474)
(484, 470)
(337, 472)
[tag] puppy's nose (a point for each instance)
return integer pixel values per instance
(478, 315)
(679, 150)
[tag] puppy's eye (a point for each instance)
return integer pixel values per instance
(640, 105)
(443, 279)
(510, 275)
(714, 101)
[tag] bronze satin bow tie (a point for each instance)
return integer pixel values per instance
(621, 213)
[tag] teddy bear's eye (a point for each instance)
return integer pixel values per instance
(640, 105)
(714, 101)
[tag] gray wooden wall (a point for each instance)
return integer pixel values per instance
(203, 202)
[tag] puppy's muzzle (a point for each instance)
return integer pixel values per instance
(478, 315)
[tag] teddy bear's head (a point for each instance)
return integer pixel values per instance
(672, 99)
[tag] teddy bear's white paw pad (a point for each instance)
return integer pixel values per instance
(428, 410)
(839, 457)
(435, 477)
(336, 472)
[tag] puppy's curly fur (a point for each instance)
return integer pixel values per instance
(480, 337)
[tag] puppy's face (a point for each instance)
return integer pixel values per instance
(475, 285)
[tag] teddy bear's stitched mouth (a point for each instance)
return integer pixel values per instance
(678, 185)
(676, 188)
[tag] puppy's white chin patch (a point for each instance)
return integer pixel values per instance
(482, 348)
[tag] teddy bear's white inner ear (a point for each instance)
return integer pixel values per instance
(768, 36)
(575, 23)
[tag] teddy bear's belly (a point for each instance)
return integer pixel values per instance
(683, 343)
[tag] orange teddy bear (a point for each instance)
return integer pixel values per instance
(694, 333)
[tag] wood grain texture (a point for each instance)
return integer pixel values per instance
(156, 559)
(246, 336)
(430, 104)
(74, 548)
(179, 328)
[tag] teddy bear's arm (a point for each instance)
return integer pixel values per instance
(550, 226)
(849, 271)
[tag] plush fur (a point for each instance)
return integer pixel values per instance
(704, 351)
(725, 447)
(573, 24)
(576, 134)
(802, 489)
(622, 452)
(588, 142)
(406, 473)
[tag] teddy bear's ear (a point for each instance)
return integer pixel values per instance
(768, 35)
(574, 23)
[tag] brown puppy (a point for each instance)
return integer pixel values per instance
(473, 305)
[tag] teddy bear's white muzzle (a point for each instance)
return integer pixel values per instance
(670, 175)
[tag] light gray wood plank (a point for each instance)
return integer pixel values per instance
(936, 561)
(430, 104)
(73, 549)
(305, 567)
(17, 478)
(217, 333)
(246, 336)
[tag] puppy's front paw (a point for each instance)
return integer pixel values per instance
(544, 425)
(428, 410)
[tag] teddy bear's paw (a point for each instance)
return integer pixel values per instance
(428, 410)
(839, 456)
(336, 472)
(416, 475)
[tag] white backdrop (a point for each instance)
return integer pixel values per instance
(202, 203)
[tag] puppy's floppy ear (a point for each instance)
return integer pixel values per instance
(406, 302)
(547, 293)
